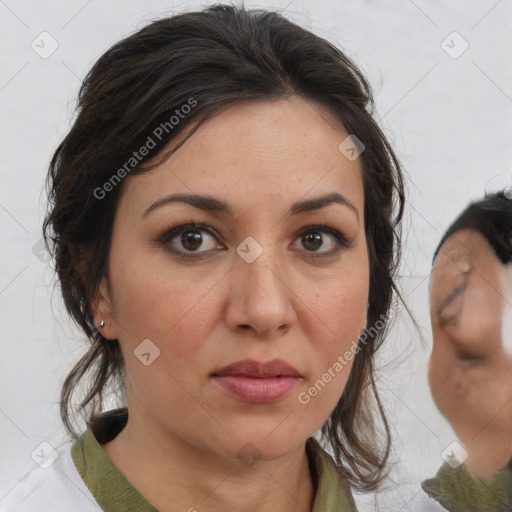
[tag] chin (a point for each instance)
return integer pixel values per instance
(259, 445)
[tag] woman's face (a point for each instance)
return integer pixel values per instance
(257, 282)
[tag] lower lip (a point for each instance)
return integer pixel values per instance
(257, 390)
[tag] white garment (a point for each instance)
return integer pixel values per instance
(59, 488)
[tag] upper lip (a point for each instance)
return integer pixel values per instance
(252, 368)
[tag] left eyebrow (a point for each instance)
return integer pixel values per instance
(214, 205)
(317, 203)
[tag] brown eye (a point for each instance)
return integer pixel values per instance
(191, 240)
(312, 241)
(194, 239)
(323, 237)
(186, 240)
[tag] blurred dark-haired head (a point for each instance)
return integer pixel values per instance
(492, 218)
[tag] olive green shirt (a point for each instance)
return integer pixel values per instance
(114, 492)
(458, 491)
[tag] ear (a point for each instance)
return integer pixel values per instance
(102, 309)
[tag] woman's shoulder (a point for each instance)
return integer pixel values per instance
(54, 484)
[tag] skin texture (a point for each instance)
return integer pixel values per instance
(181, 446)
(470, 371)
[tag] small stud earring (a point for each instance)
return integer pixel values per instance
(102, 324)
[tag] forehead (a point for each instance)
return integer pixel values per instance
(260, 152)
(294, 120)
(466, 246)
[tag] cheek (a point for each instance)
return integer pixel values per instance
(341, 306)
(176, 314)
(482, 311)
(336, 318)
(154, 301)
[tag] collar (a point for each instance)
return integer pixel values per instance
(114, 492)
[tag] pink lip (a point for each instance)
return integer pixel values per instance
(257, 382)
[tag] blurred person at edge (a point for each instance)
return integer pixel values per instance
(470, 368)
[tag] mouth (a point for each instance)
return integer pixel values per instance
(253, 381)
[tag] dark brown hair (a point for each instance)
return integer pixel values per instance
(216, 57)
(492, 218)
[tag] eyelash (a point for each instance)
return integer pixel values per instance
(167, 237)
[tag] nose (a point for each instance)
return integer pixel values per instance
(261, 295)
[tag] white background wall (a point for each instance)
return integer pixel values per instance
(450, 120)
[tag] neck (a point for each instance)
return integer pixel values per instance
(173, 474)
